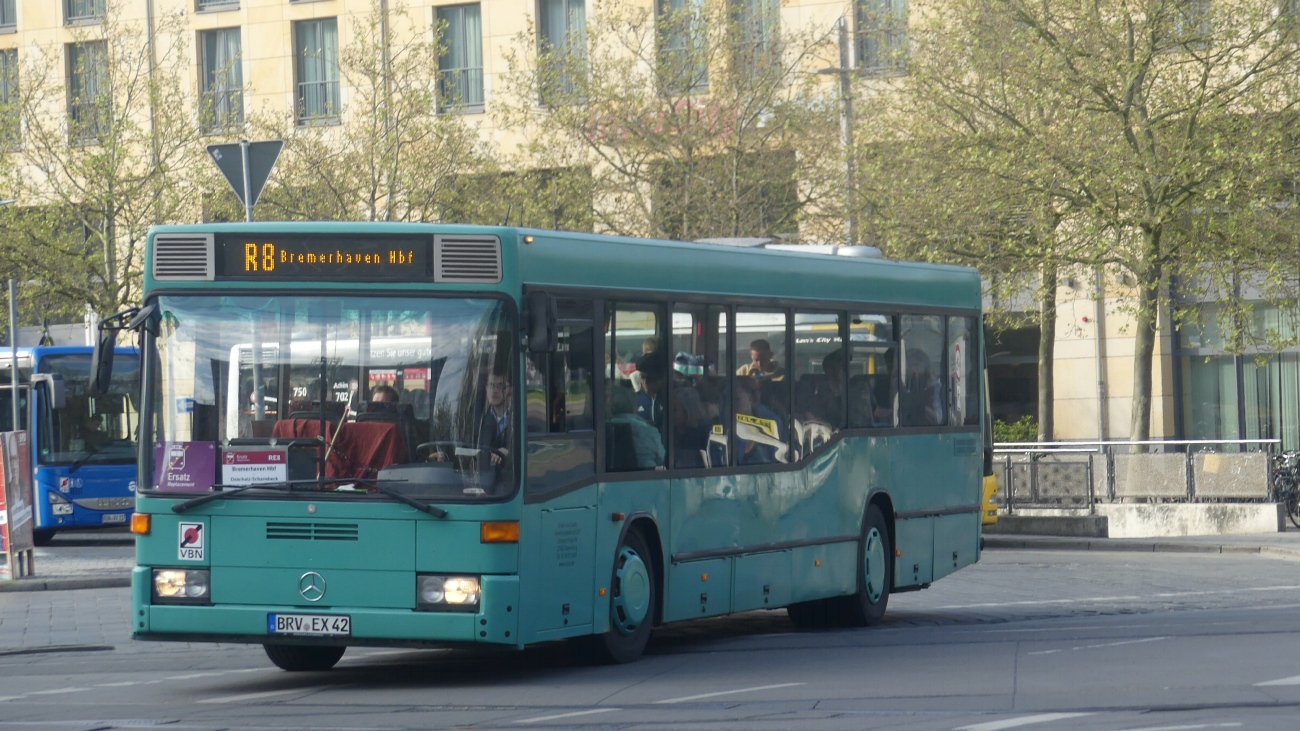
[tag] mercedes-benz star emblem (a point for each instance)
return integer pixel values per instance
(312, 586)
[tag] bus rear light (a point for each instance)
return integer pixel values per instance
(498, 531)
(446, 593)
(181, 586)
(140, 524)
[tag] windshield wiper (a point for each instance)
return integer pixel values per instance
(224, 493)
(81, 462)
(291, 485)
(433, 510)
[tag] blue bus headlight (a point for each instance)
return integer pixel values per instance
(180, 586)
(446, 593)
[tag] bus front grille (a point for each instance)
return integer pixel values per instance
(311, 531)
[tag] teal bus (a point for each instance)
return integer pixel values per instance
(411, 435)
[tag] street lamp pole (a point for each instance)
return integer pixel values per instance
(844, 71)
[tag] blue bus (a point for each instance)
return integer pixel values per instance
(83, 444)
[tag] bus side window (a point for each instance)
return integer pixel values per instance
(819, 379)
(636, 407)
(963, 372)
(558, 393)
(921, 396)
(873, 359)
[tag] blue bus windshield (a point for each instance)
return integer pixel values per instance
(91, 428)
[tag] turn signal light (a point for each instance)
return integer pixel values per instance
(140, 524)
(498, 531)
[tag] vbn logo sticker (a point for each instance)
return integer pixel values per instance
(191, 542)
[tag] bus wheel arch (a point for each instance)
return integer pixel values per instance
(635, 594)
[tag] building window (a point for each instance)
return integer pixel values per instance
(882, 35)
(87, 89)
(316, 43)
(9, 109)
(1191, 22)
(562, 46)
(221, 80)
(683, 48)
(8, 18)
(758, 23)
(217, 4)
(460, 67)
(82, 11)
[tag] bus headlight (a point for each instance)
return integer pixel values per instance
(180, 586)
(59, 505)
(446, 593)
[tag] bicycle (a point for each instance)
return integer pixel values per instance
(1285, 487)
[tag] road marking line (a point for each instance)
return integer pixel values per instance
(4, 698)
(250, 696)
(1095, 647)
(1022, 721)
(57, 691)
(193, 675)
(1130, 597)
(1293, 680)
(1233, 725)
(568, 715)
(729, 692)
(123, 684)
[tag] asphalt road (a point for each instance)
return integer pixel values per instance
(1039, 640)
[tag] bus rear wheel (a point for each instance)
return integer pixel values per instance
(303, 658)
(875, 572)
(633, 597)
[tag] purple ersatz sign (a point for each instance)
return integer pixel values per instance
(184, 466)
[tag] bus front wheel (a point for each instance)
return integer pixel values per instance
(297, 658)
(632, 600)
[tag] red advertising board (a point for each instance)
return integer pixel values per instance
(16, 517)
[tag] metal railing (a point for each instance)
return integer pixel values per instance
(1078, 475)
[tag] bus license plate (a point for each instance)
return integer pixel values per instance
(115, 518)
(312, 625)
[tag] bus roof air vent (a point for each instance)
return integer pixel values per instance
(183, 257)
(466, 259)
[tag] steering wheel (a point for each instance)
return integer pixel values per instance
(446, 448)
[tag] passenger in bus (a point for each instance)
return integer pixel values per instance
(821, 398)
(384, 394)
(647, 446)
(921, 400)
(494, 429)
(93, 434)
(650, 399)
(751, 412)
(761, 364)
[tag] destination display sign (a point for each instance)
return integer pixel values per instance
(300, 257)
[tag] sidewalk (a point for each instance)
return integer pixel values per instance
(97, 559)
(90, 559)
(1284, 545)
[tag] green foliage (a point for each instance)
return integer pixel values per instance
(1024, 429)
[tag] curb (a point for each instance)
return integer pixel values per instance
(35, 583)
(1134, 545)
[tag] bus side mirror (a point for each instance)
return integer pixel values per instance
(54, 387)
(542, 318)
(101, 361)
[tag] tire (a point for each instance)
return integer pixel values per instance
(43, 537)
(633, 597)
(303, 658)
(875, 572)
(815, 614)
(1292, 508)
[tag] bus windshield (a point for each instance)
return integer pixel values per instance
(91, 428)
(337, 391)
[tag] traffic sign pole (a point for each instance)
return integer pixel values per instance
(248, 199)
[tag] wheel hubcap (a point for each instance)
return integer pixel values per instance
(873, 565)
(631, 592)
